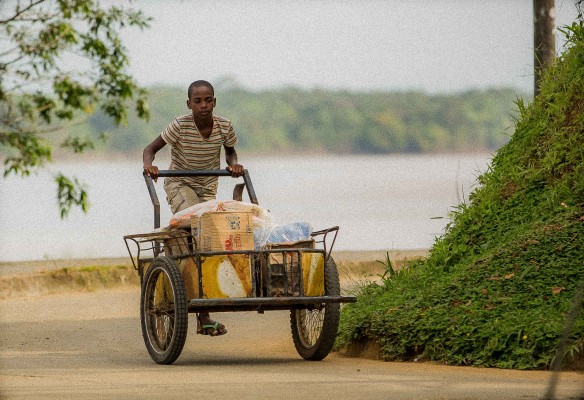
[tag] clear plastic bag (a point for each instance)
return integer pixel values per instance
(288, 233)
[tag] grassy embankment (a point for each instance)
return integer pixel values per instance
(497, 287)
(34, 278)
(67, 279)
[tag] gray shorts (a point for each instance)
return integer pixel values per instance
(180, 196)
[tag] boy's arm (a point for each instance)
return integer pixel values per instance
(232, 165)
(148, 157)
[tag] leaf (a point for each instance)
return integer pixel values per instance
(78, 144)
(70, 193)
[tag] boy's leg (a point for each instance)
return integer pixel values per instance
(205, 194)
(180, 196)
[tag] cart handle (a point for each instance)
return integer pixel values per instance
(192, 172)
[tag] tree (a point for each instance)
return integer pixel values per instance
(544, 38)
(60, 60)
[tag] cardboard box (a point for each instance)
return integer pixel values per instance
(223, 230)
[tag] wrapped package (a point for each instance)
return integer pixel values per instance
(278, 234)
(265, 231)
(223, 230)
(182, 219)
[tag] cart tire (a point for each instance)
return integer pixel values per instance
(314, 331)
(163, 311)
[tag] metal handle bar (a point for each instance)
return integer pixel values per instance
(193, 172)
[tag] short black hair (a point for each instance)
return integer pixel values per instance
(200, 83)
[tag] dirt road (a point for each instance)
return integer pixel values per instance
(89, 346)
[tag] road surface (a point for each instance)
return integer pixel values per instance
(89, 346)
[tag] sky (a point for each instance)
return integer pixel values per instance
(435, 46)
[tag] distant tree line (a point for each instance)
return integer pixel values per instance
(292, 119)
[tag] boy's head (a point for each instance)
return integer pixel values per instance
(197, 84)
(201, 100)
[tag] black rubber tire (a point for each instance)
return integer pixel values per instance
(164, 325)
(314, 331)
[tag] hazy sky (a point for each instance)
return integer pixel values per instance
(430, 45)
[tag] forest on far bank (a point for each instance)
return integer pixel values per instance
(299, 120)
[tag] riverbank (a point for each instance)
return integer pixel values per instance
(42, 277)
(352, 258)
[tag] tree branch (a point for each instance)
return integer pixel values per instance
(38, 98)
(32, 4)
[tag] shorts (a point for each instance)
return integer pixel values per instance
(180, 196)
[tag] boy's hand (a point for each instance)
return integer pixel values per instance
(152, 171)
(236, 170)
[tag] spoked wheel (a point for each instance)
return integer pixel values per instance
(314, 331)
(163, 311)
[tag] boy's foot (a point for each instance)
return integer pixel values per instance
(210, 327)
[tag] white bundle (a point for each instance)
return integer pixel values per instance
(261, 217)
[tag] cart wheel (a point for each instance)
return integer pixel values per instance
(314, 331)
(163, 311)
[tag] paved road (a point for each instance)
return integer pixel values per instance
(89, 346)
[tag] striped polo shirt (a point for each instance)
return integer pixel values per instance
(191, 151)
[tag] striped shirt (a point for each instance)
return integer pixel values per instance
(191, 151)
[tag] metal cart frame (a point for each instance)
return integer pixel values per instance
(286, 281)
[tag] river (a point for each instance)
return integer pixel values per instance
(385, 202)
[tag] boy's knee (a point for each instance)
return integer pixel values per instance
(176, 197)
(176, 202)
(180, 197)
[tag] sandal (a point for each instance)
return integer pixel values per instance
(214, 329)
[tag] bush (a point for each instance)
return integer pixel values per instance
(497, 286)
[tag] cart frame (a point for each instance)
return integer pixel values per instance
(150, 251)
(258, 302)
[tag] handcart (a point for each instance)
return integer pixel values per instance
(180, 275)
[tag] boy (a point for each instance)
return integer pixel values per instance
(196, 141)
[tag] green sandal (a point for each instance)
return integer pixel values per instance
(214, 329)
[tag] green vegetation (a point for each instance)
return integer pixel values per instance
(496, 288)
(40, 94)
(291, 119)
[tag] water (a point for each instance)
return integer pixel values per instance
(379, 202)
